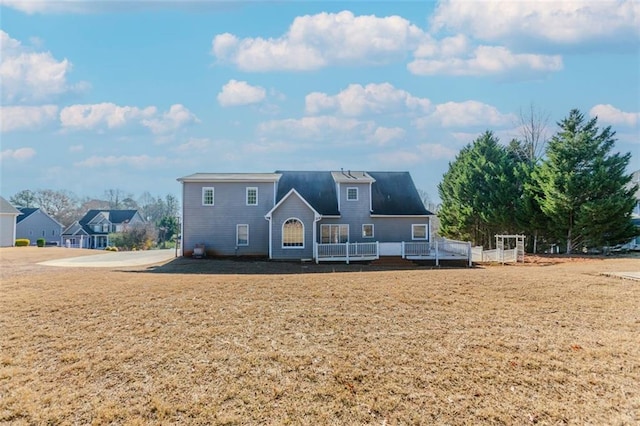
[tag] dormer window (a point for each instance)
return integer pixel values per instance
(352, 194)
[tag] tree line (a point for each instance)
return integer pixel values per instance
(571, 190)
(65, 207)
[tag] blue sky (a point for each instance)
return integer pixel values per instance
(132, 95)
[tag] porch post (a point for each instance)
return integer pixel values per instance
(347, 249)
(437, 255)
(402, 249)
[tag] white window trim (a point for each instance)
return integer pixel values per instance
(335, 224)
(282, 235)
(213, 196)
(357, 195)
(373, 230)
(246, 198)
(426, 232)
(238, 234)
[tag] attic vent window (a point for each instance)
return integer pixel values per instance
(352, 194)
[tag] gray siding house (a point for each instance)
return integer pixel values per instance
(92, 231)
(35, 223)
(305, 215)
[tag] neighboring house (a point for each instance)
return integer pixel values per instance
(35, 223)
(319, 215)
(634, 244)
(635, 180)
(92, 231)
(8, 215)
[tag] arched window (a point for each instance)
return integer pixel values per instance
(293, 233)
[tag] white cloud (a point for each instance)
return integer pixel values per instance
(27, 76)
(384, 135)
(112, 116)
(236, 93)
(324, 128)
(177, 117)
(357, 100)
(466, 114)
(20, 154)
(26, 117)
(136, 161)
(316, 41)
(92, 116)
(194, 145)
(555, 22)
(608, 114)
(487, 60)
(436, 151)
(42, 6)
(76, 148)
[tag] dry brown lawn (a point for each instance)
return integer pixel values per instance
(223, 342)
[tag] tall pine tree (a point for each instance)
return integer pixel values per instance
(582, 186)
(479, 193)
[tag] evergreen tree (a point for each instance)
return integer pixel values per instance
(583, 188)
(479, 193)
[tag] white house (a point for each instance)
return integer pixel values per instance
(8, 215)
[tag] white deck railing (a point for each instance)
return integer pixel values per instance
(346, 251)
(441, 248)
(462, 248)
(413, 249)
(495, 255)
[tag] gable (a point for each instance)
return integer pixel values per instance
(7, 208)
(292, 195)
(26, 212)
(317, 188)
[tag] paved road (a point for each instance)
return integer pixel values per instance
(115, 259)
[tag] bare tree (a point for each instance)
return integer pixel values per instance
(533, 132)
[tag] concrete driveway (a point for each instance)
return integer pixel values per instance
(112, 259)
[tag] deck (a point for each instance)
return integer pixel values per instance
(436, 250)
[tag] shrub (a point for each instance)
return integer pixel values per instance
(111, 248)
(41, 242)
(22, 242)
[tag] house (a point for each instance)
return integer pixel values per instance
(35, 223)
(634, 244)
(92, 231)
(8, 215)
(306, 215)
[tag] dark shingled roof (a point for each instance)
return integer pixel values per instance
(115, 216)
(318, 188)
(26, 212)
(394, 193)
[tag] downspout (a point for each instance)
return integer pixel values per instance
(316, 219)
(182, 225)
(268, 218)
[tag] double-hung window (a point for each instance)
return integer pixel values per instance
(334, 234)
(242, 235)
(207, 196)
(252, 196)
(419, 232)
